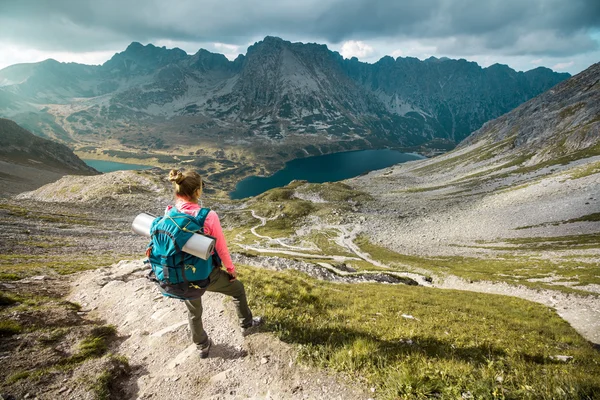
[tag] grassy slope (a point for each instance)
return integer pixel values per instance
(511, 269)
(54, 342)
(458, 342)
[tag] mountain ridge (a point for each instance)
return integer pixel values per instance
(279, 93)
(562, 122)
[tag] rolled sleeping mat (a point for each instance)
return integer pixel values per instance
(198, 245)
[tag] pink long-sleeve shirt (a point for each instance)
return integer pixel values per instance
(212, 227)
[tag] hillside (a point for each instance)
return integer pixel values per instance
(296, 98)
(28, 161)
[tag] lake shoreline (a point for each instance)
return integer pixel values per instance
(330, 167)
(105, 166)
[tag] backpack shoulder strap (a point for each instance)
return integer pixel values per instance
(198, 219)
(201, 217)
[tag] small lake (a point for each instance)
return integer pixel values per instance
(326, 168)
(110, 166)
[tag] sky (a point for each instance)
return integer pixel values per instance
(560, 34)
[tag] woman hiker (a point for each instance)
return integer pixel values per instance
(188, 189)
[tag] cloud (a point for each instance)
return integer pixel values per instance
(353, 48)
(231, 51)
(15, 55)
(91, 24)
(415, 48)
(563, 66)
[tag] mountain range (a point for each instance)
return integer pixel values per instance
(279, 93)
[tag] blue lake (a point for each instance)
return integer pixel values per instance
(326, 168)
(110, 166)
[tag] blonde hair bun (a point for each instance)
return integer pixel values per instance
(186, 183)
(175, 176)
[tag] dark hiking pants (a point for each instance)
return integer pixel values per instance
(219, 282)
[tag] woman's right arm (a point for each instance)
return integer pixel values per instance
(212, 226)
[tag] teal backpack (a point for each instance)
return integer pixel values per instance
(179, 275)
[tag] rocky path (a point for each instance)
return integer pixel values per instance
(263, 222)
(344, 239)
(154, 337)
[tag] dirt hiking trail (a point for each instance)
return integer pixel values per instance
(153, 332)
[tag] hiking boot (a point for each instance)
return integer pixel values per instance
(248, 329)
(204, 350)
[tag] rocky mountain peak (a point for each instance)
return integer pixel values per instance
(135, 46)
(294, 81)
(274, 40)
(149, 57)
(204, 60)
(269, 45)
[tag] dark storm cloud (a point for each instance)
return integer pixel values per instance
(509, 27)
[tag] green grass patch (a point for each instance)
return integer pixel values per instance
(70, 219)
(478, 154)
(15, 210)
(50, 336)
(512, 163)
(586, 241)
(103, 386)
(517, 161)
(37, 302)
(590, 169)
(9, 327)
(46, 243)
(510, 269)
(7, 299)
(324, 239)
(17, 266)
(425, 189)
(459, 343)
(571, 110)
(337, 192)
(561, 160)
(276, 195)
(17, 376)
(93, 346)
(289, 214)
(145, 157)
(594, 217)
